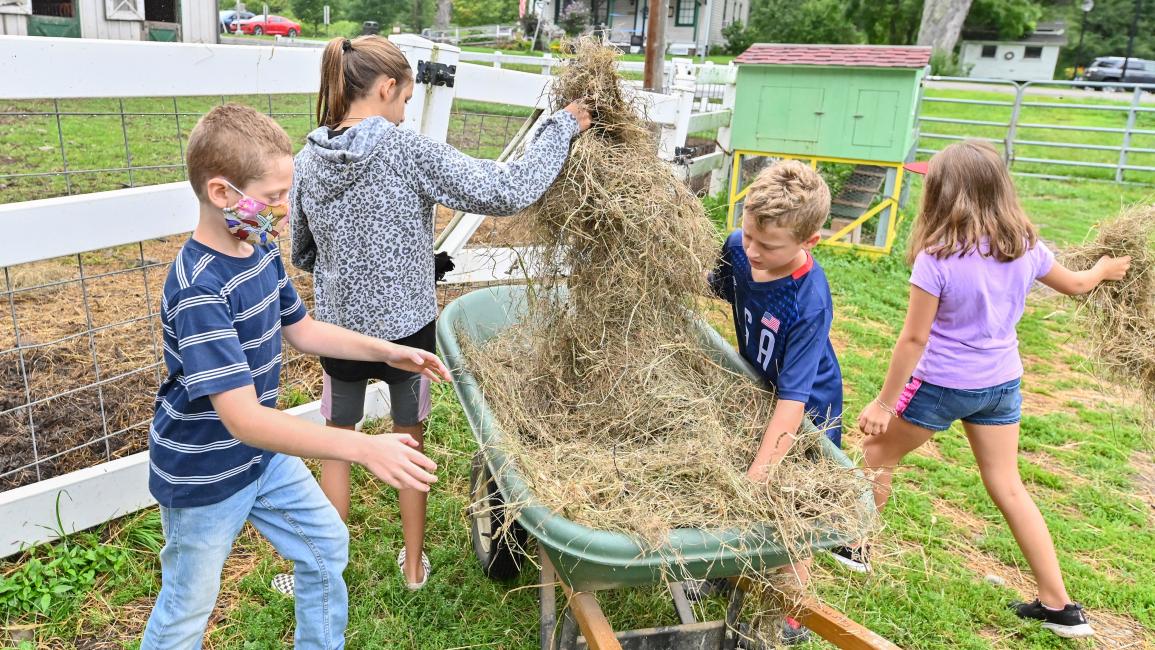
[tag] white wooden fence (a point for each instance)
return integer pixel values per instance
(46, 68)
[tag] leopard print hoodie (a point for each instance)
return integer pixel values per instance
(362, 211)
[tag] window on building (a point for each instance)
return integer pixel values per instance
(989, 51)
(1033, 52)
(685, 13)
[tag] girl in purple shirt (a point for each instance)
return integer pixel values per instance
(975, 256)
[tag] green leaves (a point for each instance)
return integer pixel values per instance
(49, 583)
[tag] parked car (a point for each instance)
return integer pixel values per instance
(270, 24)
(1110, 68)
(229, 17)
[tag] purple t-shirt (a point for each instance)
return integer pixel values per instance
(973, 343)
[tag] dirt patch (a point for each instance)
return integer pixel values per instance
(493, 231)
(1119, 632)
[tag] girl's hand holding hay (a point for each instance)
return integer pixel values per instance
(578, 109)
(1112, 268)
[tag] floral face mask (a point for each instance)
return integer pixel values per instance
(253, 221)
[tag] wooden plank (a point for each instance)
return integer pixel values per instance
(837, 628)
(592, 622)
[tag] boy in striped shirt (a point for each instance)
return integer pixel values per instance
(220, 453)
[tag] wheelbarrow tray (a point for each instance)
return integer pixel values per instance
(585, 558)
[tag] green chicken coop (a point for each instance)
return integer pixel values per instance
(855, 106)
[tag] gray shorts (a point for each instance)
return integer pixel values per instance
(343, 402)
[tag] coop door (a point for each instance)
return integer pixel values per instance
(790, 113)
(875, 115)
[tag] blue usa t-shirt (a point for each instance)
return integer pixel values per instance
(222, 318)
(783, 329)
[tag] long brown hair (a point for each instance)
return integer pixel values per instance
(968, 199)
(349, 68)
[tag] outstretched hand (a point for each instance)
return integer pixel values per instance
(404, 357)
(395, 459)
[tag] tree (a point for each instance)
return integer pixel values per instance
(309, 11)
(484, 12)
(942, 22)
(801, 21)
(384, 12)
(1108, 26)
(444, 11)
(889, 22)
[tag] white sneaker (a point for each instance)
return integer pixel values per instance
(414, 586)
(283, 583)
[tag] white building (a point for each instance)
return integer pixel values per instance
(1027, 59)
(190, 21)
(691, 25)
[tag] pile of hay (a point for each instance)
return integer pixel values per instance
(1120, 316)
(612, 408)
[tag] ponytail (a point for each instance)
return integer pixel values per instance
(350, 69)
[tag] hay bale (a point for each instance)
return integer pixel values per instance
(1119, 317)
(613, 409)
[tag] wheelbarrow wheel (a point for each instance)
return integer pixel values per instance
(500, 548)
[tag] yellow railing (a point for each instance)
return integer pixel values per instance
(888, 206)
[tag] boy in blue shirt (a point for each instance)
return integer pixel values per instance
(220, 453)
(783, 311)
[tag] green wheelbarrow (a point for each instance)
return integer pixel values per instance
(584, 560)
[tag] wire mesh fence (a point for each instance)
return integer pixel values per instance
(80, 343)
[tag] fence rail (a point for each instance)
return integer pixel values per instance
(1104, 139)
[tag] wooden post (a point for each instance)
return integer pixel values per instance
(428, 111)
(655, 45)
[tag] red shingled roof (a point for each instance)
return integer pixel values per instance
(859, 56)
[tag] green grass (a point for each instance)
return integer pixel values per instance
(1045, 115)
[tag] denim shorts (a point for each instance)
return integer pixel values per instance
(936, 408)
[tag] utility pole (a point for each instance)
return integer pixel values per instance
(1131, 40)
(655, 45)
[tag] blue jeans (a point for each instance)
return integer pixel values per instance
(935, 407)
(287, 506)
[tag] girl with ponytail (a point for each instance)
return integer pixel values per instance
(362, 209)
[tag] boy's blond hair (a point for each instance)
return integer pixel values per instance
(236, 143)
(789, 194)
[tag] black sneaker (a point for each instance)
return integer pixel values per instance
(1069, 622)
(854, 559)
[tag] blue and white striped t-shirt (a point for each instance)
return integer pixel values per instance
(222, 318)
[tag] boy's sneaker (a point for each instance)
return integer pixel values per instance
(1069, 622)
(793, 632)
(283, 583)
(854, 559)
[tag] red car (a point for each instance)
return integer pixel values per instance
(270, 24)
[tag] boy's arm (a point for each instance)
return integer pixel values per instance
(777, 438)
(806, 340)
(392, 458)
(1073, 283)
(328, 340)
(907, 353)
